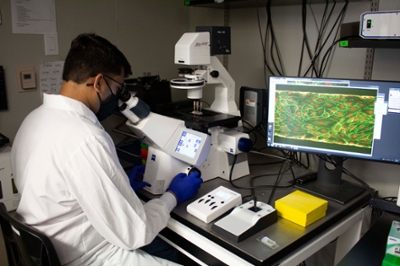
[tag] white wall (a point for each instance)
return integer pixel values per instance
(144, 30)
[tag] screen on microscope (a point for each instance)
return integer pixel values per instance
(344, 118)
(188, 144)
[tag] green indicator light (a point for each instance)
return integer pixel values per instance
(344, 43)
(369, 23)
(187, 3)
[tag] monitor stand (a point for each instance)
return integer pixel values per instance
(329, 183)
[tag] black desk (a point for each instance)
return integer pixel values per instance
(289, 236)
(371, 248)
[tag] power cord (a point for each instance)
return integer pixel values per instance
(252, 187)
(328, 52)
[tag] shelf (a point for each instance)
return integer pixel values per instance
(358, 42)
(253, 3)
(355, 41)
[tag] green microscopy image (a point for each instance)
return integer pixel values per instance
(338, 118)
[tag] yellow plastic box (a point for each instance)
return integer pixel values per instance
(301, 208)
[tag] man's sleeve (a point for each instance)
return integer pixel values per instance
(103, 191)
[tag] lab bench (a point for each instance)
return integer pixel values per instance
(296, 243)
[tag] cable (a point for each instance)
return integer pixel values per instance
(305, 36)
(324, 23)
(305, 43)
(253, 132)
(278, 179)
(342, 15)
(334, 43)
(339, 18)
(206, 103)
(292, 156)
(269, 45)
(263, 44)
(273, 41)
(319, 47)
(255, 177)
(272, 59)
(362, 182)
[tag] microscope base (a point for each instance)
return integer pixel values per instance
(161, 168)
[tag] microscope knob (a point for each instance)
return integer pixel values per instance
(245, 144)
(214, 74)
(194, 169)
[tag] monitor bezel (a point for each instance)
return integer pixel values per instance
(329, 183)
(305, 149)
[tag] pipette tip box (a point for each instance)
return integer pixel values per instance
(392, 255)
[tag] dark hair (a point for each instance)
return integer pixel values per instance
(90, 55)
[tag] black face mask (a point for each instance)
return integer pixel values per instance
(106, 108)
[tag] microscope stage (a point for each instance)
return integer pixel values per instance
(201, 122)
(208, 119)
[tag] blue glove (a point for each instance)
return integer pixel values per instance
(136, 177)
(185, 187)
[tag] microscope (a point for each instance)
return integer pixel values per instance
(203, 139)
(172, 147)
(222, 119)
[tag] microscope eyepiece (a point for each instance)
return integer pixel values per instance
(124, 95)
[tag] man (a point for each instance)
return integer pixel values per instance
(65, 166)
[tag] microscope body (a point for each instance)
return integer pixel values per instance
(173, 148)
(200, 48)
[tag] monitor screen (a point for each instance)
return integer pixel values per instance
(345, 118)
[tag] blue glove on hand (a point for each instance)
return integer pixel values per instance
(185, 187)
(136, 177)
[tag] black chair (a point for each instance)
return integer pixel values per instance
(24, 244)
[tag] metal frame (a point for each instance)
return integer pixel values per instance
(347, 232)
(369, 57)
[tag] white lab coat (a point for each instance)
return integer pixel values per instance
(74, 189)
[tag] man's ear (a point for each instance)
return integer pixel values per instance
(97, 82)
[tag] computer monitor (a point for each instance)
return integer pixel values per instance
(342, 118)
